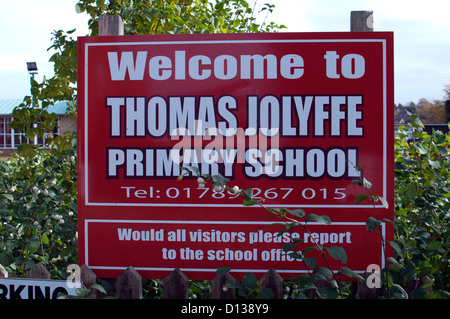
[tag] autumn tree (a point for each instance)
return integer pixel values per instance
(431, 111)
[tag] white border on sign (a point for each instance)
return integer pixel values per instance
(181, 222)
(86, 112)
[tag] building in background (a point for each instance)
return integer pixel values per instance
(10, 139)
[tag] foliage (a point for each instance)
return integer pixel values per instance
(422, 213)
(38, 209)
(248, 288)
(38, 187)
(431, 112)
(181, 16)
(422, 183)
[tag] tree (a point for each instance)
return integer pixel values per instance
(431, 112)
(447, 92)
(181, 16)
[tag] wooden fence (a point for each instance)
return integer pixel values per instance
(176, 285)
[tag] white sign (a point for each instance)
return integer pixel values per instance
(25, 288)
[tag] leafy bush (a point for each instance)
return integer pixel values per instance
(38, 208)
(422, 184)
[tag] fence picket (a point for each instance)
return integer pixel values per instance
(38, 271)
(129, 284)
(218, 288)
(273, 281)
(363, 290)
(176, 285)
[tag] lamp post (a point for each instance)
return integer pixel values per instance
(32, 68)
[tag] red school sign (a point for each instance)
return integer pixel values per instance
(294, 116)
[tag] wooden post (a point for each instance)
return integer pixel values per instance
(88, 278)
(38, 271)
(274, 282)
(361, 21)
(218, 289)
(176, 285)
(129, 285)
(363, 291)
(110, 25)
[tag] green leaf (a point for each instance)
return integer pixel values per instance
(295, 255)
(328, 293)
(350, 273)
(322, 271)
(337, 253)
(82, 291)
(281, 211)
(33, 245)
(420, 149)
(435, 164)
(8, 196)
(66, 251)
(289, 247)
(220, 179)
(320, 219)
(372, 224)
(266, 293)
(249, 280)
(435, 245)
(398, 292)
(297, 212)
(306, 282)
(6, 258)
(45, 239)
(308, 249)
(311, 262)
(99, 288)
(415, 122)
(222, 270)
(396, 247)
(248, 201)
(248, 192)
(360, 198)
(442, 150)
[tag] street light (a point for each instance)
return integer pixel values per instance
(32, 68)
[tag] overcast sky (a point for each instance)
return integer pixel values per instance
(421, 37)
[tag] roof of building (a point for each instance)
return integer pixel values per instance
(7, 106)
